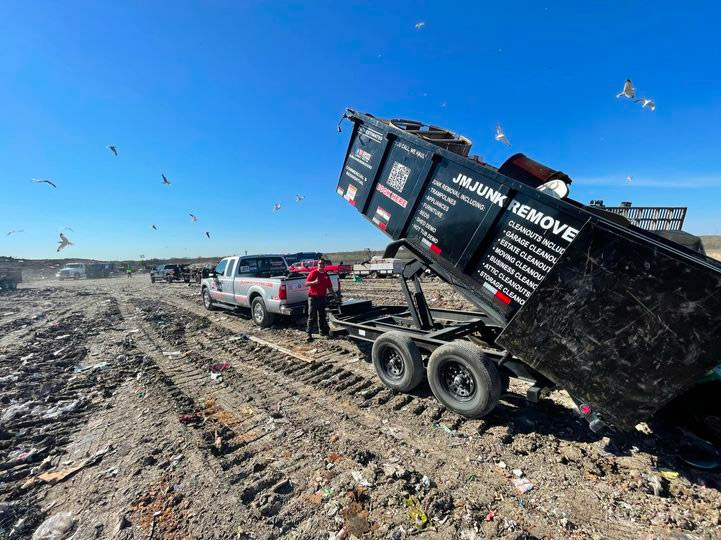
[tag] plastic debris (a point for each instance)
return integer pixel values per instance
(502, 464)
(416, 513)
(668, 474)
(189, 419)
(216, 376)
(171, 353)
(327, 493)
(518, 473)
(358, 477)
(59, 410)
(17, 409)
(523, 485)
(219, 368)
(55, 527)
(446, 428)
(490, 515)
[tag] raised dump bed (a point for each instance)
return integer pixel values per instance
(623, 319)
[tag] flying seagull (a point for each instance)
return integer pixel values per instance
(154, 227)
(628, 90)
(500, 136)
(64, 242)
(113, 149)
(207, 234)
(15, 231)
(276, 207)
(193, 217)
(646, 103)
(39, 181)
(419, 25)
(166, 182)
(629, 179)
(299, 198)
(66, 229)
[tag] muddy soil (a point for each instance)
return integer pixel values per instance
(143, 415)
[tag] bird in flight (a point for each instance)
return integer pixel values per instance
(629, 179)
(299, 198)
(193, 217)
(276, 207)
(207, 234)
(628, 90)
(500, 136)
(419, 25)
(154, 227)
(113, 149)
(15, 231)
(64, 242)
(166, 182)
(646, 103)
(39, 181)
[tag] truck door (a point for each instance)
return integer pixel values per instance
(216, 285)
(226, 281)
(247, 268)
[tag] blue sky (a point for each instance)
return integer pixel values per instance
(237, 103)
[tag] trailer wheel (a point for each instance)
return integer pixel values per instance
(261, 317)
(208, 300)
(464, 379)
(397, 361)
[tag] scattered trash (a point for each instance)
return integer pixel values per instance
(59, 410)
(218, 368)
(17, 409)
(327, 493)
(64, 336)
(189, 419)
(523, 485)
(658, 485)
(445, 428)
(53, 477)
(416, 513)
(668, 474)
(490, 515)
(518, 473)
(92, 367)
(112, 471)
(240, 337)
(216, 376)
(55, 527)
(27, 357)
(171, 353)
(502, 464)
(358, 477)
(471, 478)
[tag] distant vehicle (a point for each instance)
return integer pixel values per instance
(292, 258)
(9, 278)
(259, 282)
(98, 270)
(305, 267)
(170, 273)
(379, 267)
(72, 271)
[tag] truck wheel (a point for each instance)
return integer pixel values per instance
(208, 300)
(261, 317)
(464, 379)
(397, 361)
(374, 275)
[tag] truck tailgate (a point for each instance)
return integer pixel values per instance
(296, 290)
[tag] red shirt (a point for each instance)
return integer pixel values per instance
(322, 286)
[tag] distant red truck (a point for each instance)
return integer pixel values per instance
(306, 266)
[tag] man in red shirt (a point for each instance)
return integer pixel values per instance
(319, 285)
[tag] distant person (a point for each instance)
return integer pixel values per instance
(319, 285)
(130, 272)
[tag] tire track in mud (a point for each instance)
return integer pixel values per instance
(266, 394)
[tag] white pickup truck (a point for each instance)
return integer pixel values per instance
(71, 271)
(259, 282)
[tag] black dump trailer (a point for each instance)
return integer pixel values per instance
(98, 270)
(9, 278)
(568, 296)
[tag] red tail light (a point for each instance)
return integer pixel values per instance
(283, 292)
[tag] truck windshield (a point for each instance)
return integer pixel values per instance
(220, 269)
(74, 265)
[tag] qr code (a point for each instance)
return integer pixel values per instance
(398, 177)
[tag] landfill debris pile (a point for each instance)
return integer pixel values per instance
(159, 419)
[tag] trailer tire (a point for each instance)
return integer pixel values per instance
(397, 361)
(260, 314)
(464, 379)
(208, 300)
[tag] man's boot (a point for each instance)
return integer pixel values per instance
(309, 338)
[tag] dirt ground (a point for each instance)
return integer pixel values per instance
(132, 412)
